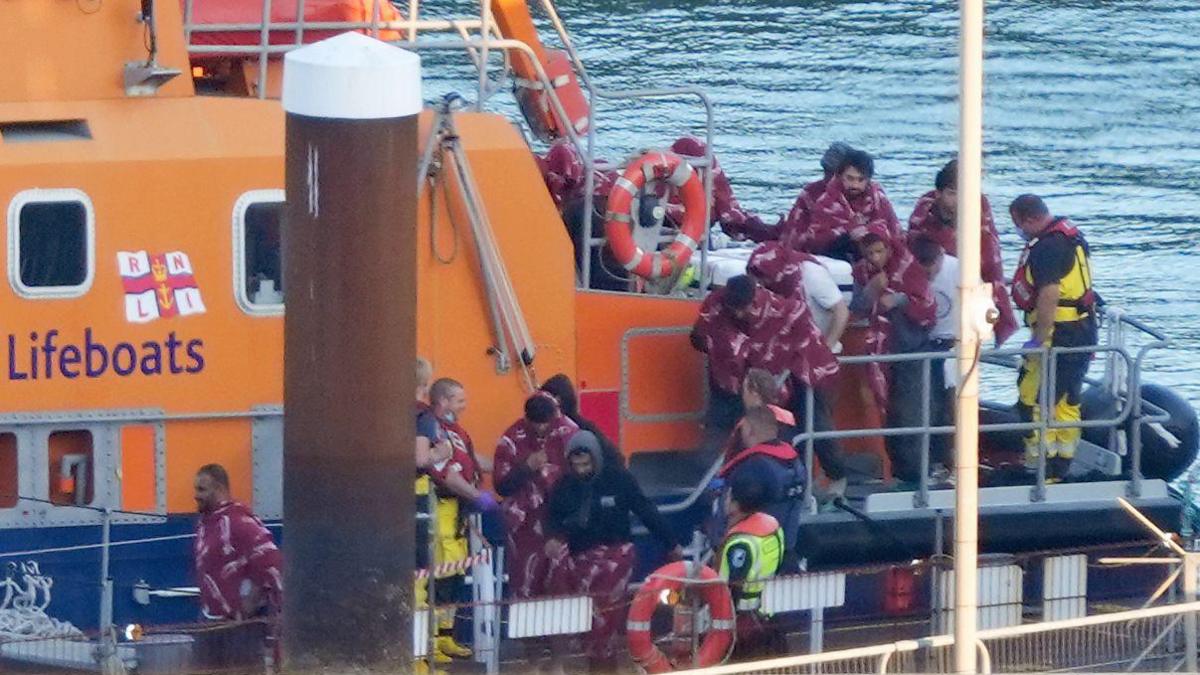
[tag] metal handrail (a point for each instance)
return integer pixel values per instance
(696, 492)
(478, 49)
(1130, 406)
(885, 651)
(298, 26)
(587, 241)
(809, 436)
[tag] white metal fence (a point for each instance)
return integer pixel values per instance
(1141, 640)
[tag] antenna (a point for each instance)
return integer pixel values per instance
(144, 78)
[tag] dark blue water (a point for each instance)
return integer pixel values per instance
(1094, 105)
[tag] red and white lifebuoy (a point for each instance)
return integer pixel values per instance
(657, 165)
(670, 579)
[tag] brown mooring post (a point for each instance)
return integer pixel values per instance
(349, 346)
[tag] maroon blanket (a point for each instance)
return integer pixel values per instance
(525, 511)
(734, 220)
(926, 220)
(779, 269)
(234, 550)
(792, 225)
(562, 169)
(779, 336)
(905, 276)
(833, 216)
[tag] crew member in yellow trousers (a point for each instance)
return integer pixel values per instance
(1053, 285)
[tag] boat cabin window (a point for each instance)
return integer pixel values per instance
(72, 468)
(51, 243)
(9, 475)
(258, 244)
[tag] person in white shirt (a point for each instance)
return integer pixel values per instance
(943, 283)
(828, 305)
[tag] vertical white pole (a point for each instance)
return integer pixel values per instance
(1189, 595)
(485, 37)
(966, 439)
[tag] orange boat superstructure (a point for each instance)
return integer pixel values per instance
(174, 198)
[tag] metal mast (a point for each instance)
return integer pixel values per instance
(966, 439)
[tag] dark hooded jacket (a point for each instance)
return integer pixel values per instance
(559, 386)
(589, 512)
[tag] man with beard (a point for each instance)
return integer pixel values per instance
(239, 570)
(743, 326)
(892, 291)
(1053, 286)
(936, 216)
(851, 204)
(529, 460)
(591, 545)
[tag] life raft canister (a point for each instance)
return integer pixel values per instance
(537, 107)
(669, 579)
(515, 23)
(657, 165)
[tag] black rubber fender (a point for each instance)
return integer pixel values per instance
(1164, 457)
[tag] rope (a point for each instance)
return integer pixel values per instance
(23, 609)
(84, 547)
(97, 509)
(435, 180)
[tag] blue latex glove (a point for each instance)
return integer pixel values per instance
(486, 502)
(1033, 343)
(716, 485)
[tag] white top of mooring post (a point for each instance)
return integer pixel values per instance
(352, 76)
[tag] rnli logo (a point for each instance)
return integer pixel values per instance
(158, 285)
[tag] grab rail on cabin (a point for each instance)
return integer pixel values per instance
(587, 241)
(478, 47)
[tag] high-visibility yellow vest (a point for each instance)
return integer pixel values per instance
(1076, 299)
(764, 538)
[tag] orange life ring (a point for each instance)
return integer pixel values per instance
(670, 578)
(659, 165)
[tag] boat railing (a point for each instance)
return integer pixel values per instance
(1122, 364)
(589, 242)
(479, 37)
(1138, 640)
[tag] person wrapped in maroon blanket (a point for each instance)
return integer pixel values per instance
(796, 219)
(563, 170)
(529, 460)
(743, 326)
(239, 570)
(591, 544)
(935, 216)
(851, 204)
(892, 291)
